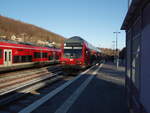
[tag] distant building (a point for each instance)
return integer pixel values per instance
(3, 37)
(14, 38)
(137, 27)
(40, 42)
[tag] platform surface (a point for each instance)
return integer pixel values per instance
(105, 93)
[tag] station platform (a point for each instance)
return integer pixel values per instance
(103, 93)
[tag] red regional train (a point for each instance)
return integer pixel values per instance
(15, 55)
(78, 54)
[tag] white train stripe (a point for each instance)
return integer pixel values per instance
(71, 100)
(51, 94)
(25, 48)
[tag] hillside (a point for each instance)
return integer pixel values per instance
(20, 31)
(109, 51)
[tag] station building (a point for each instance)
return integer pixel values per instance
(137, 27)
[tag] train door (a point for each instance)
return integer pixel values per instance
(87, 57)
(7, 57)
(54, 55)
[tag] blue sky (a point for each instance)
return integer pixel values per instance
(94, 20)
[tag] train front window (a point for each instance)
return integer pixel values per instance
(72, 53)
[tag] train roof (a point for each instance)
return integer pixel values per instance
(14, 42)
(23, 43)
(5, 42)
(8, 41)
(74, 39)
(77, 39)
(27, 43)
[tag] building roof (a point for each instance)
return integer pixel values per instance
(133, 10)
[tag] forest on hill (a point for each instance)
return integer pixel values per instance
(14, 29)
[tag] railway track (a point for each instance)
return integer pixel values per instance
(17, 73)
(35, 93)
(25, 82)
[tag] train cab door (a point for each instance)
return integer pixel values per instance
(87, 57)
(7, 57)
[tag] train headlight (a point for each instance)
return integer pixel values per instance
(78, 62)
(63, 62)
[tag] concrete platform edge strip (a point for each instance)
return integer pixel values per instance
(69, 102)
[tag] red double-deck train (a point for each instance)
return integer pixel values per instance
(15, 55)
(78, 54)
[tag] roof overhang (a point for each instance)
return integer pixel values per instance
(131, 12)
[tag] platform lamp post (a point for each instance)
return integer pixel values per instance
(113, 42)
(117, 54)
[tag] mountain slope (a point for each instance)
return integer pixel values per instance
(27, 32)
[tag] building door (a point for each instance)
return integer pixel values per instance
(7, 57)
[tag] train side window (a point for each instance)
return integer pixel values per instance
(16, 59)
(50, 57)
(44, 55)
(30, 58)
(37, 55)
(25, 58)
(1, 53)
(5, 56)
(57, 57)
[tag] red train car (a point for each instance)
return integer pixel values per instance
(14, 55)
(78, 54)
